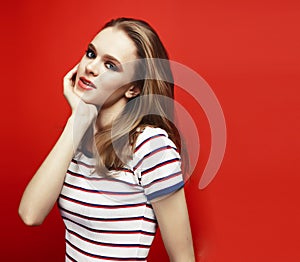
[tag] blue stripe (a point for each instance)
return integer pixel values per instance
(170, 161)
(69, 257)
(152, 153)
(118, 219)
(102, 191)
(162, 179)
(165, 191)
(99, 205)
(105, 257)
(110, 179)
(110, 231)
(78, 162)
(107, 244)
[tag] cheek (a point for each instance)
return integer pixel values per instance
(80, 70)
(81, 64)
(110, 82)
(108, 89)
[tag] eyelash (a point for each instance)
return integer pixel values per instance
(89, 53)
(111, 66)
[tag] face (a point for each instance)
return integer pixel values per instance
(105, 71)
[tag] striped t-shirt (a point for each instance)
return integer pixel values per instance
(110, 218)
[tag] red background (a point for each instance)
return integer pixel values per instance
(248, 51)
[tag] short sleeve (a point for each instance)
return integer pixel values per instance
(157, 164)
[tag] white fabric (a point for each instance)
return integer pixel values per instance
(111, 218)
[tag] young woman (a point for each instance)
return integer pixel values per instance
(115, 171)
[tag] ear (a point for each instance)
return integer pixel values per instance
(132, 91)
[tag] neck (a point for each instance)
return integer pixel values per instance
(108, 114)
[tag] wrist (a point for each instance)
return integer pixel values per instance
(79, 123)
(75, 128)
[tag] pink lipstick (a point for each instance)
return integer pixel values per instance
(86, 84)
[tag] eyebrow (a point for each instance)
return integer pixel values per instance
(106, 56)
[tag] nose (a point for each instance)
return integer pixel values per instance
(93, 67)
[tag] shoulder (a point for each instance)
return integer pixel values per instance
(157, 163)
(153, 146)
(152, 137)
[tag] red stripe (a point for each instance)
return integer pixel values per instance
(146, 140)
(131, 232)
(102, 257)
(69, 257)
(162, 179)
(69, 172)
(108, 244)
(121, 219)
(93, 191)
(101, 206)
(153, 153)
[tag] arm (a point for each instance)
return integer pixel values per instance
(173, 221)
(44, 188)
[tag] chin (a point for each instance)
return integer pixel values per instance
(78, 92)
(91, 101)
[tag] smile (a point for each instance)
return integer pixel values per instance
(86, 84)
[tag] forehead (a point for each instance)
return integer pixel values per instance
(115, 42)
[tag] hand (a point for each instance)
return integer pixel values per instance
(81, 111)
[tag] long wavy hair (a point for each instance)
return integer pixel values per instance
(155, 80)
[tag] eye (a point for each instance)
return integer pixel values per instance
(89, 53)
(111, 66)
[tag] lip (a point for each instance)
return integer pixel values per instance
(86, 84)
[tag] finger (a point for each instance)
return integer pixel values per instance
(69, 79)
(71, 72)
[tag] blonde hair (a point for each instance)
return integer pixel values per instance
(155, 80)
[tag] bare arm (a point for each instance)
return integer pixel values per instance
(44, 188)
(173, 221)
